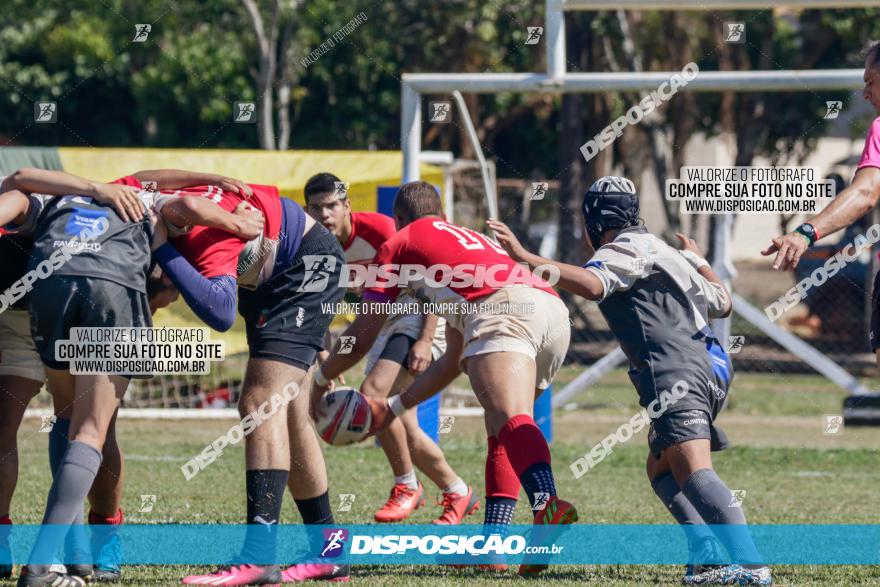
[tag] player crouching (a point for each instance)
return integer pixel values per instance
(657, 302)
(510, 357)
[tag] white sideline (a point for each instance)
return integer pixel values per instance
(216, 413)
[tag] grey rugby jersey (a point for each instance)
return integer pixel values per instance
(658, 307)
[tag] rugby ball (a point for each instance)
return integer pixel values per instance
(344, 416)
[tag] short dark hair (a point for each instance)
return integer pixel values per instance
(872, 56)
(417, 199)
(320, 183)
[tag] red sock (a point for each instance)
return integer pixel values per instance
(529, 455)
(5, 520)
(524, 443)
(99, 519)
(501, 479)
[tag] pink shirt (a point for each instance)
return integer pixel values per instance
(871, 153)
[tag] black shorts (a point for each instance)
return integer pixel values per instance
(60, 303)
(286, 317)
(397, 349)
(677, 427)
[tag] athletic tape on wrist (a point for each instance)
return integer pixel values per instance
(396, 405)
(694, 259)
(320, 379)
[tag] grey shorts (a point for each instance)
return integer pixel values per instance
(677, 427)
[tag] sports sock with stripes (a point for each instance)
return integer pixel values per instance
(502, 488)
(667, 490)
(529, 455)
(711, 497)
(265, 490)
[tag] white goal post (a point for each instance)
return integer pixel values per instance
(558, 81)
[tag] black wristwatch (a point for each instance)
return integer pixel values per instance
(807, 231)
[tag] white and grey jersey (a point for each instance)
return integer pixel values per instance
(658, 306)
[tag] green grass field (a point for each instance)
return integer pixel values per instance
(791, 471)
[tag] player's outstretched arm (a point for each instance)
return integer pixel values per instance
(440, 374)
(571, 277)
(245, 221)
(14, 208)
(175, 179)
(849, 205)
(124, 199)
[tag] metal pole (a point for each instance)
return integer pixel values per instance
(410, 131)
(723, 266)
(710, 4)
(706, 81)
(555, 38)
(488, 184)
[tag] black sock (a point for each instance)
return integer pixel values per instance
(316, 511)
(538, 479)
(711, 497)
(265, 490)
(499, 515)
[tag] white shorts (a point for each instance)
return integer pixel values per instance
(18, 355)
(526, 320)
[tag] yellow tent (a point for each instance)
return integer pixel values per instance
(289, 170)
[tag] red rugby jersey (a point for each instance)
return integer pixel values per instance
(369, 231)
(214, 252)
(431, 242)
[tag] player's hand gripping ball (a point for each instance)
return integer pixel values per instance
(344, 416)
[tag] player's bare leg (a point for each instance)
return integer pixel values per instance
(105, 501)
(407, 494)
(690, 463)
(458, 498)
(308, 473)
(95, 400)
(309, 486)
(15, 394)
(105, 496)
(268, 389)
(504, 385)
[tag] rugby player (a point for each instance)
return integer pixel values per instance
(22, 358)
(850, 205)
(21, 372)
(275, 280)
(510, 357)
(658, 302)
(405, 347)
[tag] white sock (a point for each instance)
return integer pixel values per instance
(408, 479)
(458, 488)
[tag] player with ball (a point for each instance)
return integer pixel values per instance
(509, 358)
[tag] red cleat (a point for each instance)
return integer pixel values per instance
(456, 507)
(556, 513)
(401, 503)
